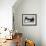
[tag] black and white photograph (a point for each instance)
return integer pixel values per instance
(29, 19)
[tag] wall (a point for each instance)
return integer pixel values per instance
(28, 7)
(43, 22)
(6, 13)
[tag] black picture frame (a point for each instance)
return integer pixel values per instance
(29, 19)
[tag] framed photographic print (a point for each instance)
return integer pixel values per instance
(29, 19)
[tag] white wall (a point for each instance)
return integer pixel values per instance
(6, 13)
(28, 7)
(43, 22)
